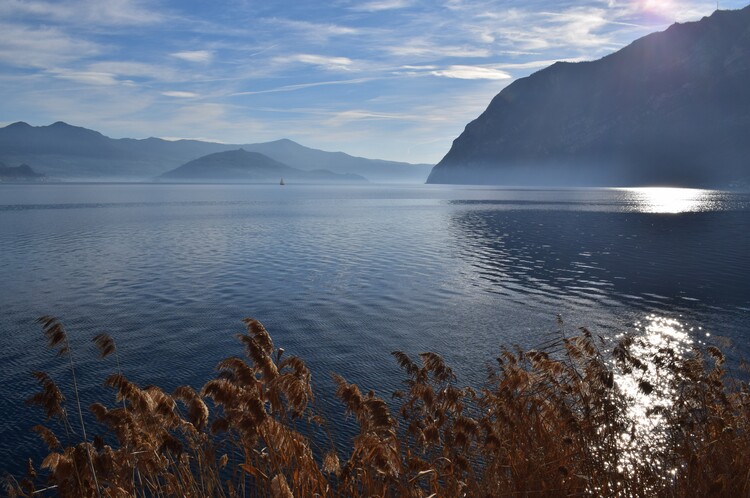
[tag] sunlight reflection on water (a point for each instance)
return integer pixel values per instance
(670, 200)
(649, 390)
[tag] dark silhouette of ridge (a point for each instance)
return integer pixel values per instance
(19, 173)
(672, 108)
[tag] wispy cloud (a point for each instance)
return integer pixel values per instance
(346, 117)
(209, 120)
(114, 73)
(94, 106)
(423, 48)
(303, 86)
(472, 73)
(574, 28)
(179, 94)
(379, 5)
(125, 69)
(87, 77)
(194, 55)
(84, 12)
(327, 62)
(315, 31)
(27, 46)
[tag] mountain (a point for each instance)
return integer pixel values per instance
(72, 152)
(375, 170)
(22, 173)
(249, 167)
(672, 108)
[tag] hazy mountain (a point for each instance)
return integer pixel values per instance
(71, 152)
(375, 170)
(671, 108)
(250, 167)
(19, 173)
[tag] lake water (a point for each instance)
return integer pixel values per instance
(342, 276)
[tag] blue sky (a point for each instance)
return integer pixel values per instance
(391, 79)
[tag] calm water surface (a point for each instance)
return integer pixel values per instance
(342, 276)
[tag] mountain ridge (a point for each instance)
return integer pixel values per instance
(671, 108)
(73, 152)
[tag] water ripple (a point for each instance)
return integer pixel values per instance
(340, 276)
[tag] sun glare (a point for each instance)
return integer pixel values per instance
(656, 6)
(669, 200)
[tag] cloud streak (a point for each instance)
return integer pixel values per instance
(472, 73)
(84, 12)
(194, 55)
(27, 46)
(304, 86)
(381, 5)
(86, 77)
(331, 63)
(179, 95)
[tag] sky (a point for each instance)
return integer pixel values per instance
(389, 79)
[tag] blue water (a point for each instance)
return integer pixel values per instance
(342, 276)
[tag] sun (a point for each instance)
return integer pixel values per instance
(656, 6)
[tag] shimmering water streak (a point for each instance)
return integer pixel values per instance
(650, 390)
(668, 200)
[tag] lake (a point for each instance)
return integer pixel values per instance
(343, 275)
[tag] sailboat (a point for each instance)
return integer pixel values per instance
(282, 182)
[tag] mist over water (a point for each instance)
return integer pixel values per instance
(342, 276)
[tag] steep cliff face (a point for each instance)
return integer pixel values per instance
(671, 108)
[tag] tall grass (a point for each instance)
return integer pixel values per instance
(548, 422)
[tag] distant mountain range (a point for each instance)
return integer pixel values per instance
(672, 108)
(71, 152)
(245, 166)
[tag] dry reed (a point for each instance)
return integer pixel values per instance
(548, 422)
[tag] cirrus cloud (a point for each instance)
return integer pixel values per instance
(378, 5)
(179, 94)
(472, 73)
(323, 61)
(194, 55)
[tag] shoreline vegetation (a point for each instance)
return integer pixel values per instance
(555, 421)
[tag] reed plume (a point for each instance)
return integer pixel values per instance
(57, 338)
(550, 421)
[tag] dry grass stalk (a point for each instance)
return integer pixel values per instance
(57, 338)
(549, 422)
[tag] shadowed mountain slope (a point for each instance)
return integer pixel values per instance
(672, 108)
